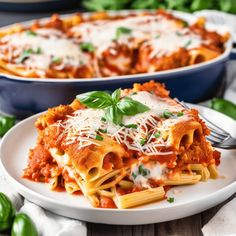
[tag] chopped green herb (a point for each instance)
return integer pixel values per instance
(31, 33)
(37, 51)
(87, 47)
(167, 114)
(170, 199)
(133, 126)
(56, 60)
(134, 93)
(157, 135)
(187, 43)
(98, 137)
(103, 130)
(143, 171)
(103, 119)
(157, 36)
(143, 141)
(122, 30)
(134, 175)
(26, 53)
(180, 114)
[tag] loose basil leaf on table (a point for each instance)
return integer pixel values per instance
(6, 122)
(7, 212)
(224, 106)
(23, 226)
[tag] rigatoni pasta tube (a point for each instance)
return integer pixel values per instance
(139, 198)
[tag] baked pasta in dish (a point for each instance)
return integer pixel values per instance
(122, 150)
(103, 45)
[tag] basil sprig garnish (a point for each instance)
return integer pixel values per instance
(114, 106)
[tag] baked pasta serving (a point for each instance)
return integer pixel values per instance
(122, 149)
(103, 45)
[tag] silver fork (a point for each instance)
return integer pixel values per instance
(218, 137)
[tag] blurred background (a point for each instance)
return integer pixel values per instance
(12, 11)
(98, 5)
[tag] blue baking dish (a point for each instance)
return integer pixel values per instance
(25, 96)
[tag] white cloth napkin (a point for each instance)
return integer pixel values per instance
(47, 223)
(223, 223)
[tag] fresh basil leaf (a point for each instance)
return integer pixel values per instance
(87, 47)
(95, 99)
(113, 114)
(103, 119)
(6, 122)
(198, 5)
(101, 5)
(130, 107)
(116, 95)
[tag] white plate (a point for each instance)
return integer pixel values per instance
(189, 200)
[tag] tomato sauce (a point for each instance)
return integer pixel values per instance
(107, 202)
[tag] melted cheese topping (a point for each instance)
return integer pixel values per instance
(84, 126)
(154, 171)
(163, 34)
(45, 45)
(170, 42)
(102, 33)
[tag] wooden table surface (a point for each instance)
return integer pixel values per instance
(189, 226)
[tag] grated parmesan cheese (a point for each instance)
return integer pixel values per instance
(83, 126)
